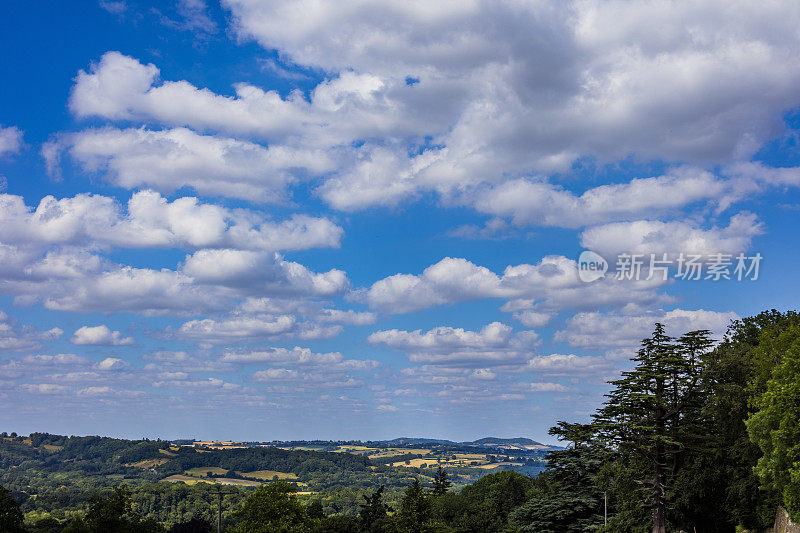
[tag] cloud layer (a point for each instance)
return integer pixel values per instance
(359, 215)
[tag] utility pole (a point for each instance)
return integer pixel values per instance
(219, 494)
(605, 508)
(219, 511)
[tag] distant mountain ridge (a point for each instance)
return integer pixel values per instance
(405, 441)
(486, 441)
(497, 440)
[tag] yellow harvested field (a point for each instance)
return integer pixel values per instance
(416, 463)
(167, 453)
(471, 456)
(352, 448)
(269, 475)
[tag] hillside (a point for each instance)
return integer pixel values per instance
(55, 475)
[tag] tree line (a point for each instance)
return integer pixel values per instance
(696, 437)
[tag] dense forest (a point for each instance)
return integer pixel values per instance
(697, 436)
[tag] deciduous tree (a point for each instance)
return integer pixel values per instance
(273, 508)
(775, 428)
(10, 515)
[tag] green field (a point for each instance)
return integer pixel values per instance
(191, 480)
(268, 475)
(203, 471)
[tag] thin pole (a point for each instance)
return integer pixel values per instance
(605, 508)
(219, 492)
(219, 510)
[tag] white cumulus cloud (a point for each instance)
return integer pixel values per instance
(100, 336)
(495, 343)
(596, 330)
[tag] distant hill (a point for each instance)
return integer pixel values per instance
(484, 442)
(519, 441)
(413, 441)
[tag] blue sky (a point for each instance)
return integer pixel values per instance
(273, 220)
